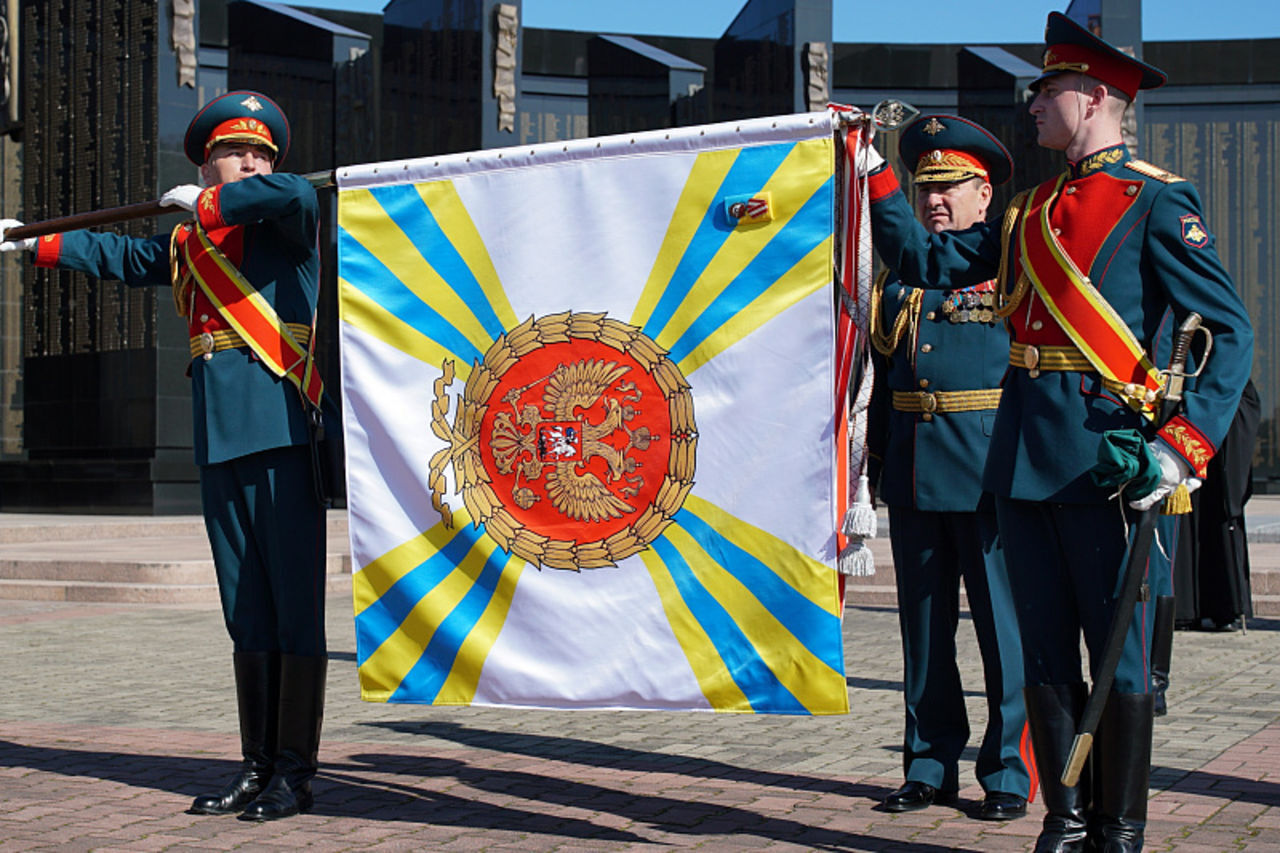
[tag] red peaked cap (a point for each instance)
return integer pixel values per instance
(1071, 47)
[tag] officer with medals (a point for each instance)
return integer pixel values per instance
(1089, 264)
(940, 359)
(245, 274)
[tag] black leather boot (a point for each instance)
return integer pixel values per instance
(298, 742)
(1122, 756)
(1052, 712)
(257, 695)
(1161, 652)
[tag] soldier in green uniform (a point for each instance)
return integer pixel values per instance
(940, 358)
(245, 275)
(1091, 264)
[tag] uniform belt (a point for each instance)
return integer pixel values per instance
(1036, 358)
(207, 343)
(929, 402)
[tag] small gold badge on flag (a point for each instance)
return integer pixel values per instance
(749, 209)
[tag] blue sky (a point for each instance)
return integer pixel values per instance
(967, 21)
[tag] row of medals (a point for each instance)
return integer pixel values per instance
(967, 306)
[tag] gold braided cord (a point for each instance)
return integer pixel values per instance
(908, 316)
(1009, 302)
(979, 400)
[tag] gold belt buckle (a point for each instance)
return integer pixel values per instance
(928, 402)
(206, 345)
(1031, 357)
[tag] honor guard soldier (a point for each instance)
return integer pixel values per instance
(245, 274)
(940, 358)
(1089, 264)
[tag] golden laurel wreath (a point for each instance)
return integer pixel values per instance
(568, 388)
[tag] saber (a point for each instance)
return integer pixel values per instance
(1135, 566)
(112, 215)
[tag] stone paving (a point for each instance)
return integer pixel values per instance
(115, 716)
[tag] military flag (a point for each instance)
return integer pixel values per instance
(589, 426)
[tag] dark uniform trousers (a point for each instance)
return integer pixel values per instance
(267, 532)
(932, 551)
(1065, 584)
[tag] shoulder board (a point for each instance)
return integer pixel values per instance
(1142, 167)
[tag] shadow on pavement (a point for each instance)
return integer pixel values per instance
(699, 815)
(603, 755)
(358, 788)
(1223, 787)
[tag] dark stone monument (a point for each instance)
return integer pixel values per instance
(635, 86)
(107, 407)
(773, 59)
(450, 76)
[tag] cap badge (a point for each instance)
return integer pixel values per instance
(251, 104)
(933, 127)
(935, 156)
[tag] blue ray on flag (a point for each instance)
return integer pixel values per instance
(430, 672)
(749, 671)
(816, 629)
(380, 619)
(411, 215)
(364, 271)
(810, 226)
(750, 171)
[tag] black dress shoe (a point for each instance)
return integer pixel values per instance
(914, 796)
(997, 805)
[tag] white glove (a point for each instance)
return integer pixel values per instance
(1173, 471)
(868, 160)
(28, 244)
(183, 195)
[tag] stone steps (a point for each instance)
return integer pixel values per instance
(125, 560)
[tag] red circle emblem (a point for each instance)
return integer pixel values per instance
(574, 443)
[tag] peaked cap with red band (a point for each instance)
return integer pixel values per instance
(1071, 47)
(945, 148)
(241, 116)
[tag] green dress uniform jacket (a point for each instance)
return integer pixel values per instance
(1137, 233)
(265, 522)
(930, 425)
(271, 223)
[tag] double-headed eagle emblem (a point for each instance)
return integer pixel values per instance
(573, 441)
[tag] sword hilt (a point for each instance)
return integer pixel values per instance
(1177, 373)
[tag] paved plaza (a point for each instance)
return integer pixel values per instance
(113, 716)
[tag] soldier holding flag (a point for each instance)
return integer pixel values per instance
(1091, 263)
(941, 358)
(245, 275)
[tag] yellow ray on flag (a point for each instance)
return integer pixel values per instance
(364, 314)
(394, 250)
(708, 667)
(724, 584)
(443, 594)
(441, 197)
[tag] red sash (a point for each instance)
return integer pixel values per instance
(1087, 318)
(244, 309)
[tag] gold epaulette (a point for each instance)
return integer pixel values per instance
(1142, 167)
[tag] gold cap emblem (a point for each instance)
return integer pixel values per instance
(251, 104)
(933, 127)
